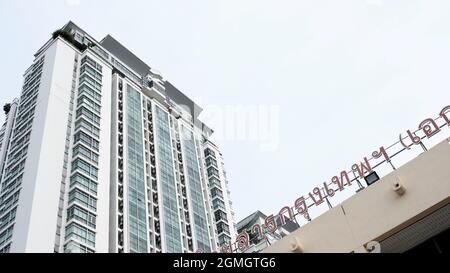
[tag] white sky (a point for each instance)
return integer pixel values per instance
(347, 76)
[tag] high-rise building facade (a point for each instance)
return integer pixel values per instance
(6, 130)
(101, 154)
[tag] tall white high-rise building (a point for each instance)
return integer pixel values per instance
(101, 154)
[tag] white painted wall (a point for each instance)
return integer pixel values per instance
(36, 218)
(35, 226)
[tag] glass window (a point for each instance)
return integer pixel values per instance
(83, 182)
(213, 171)
(82, 215)
(88, 154)
(80, 233)
(83, 198)
(195, 191)
(136, 182)
(169, 192)
(222, 227)
(86, 168)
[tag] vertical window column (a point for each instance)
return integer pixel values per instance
(137, 218)
(82, 201)
(171, 217)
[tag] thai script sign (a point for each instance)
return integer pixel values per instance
(319, 194)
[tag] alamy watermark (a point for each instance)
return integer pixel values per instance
(258, 123)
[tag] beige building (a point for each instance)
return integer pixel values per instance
(407, 210)
(259, 244)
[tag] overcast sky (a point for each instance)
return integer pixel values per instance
(345, 76)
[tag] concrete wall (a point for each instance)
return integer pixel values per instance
(36, 218)
(35, 227)
(378, 212)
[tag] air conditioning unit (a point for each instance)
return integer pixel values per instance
(188, 230)
(157, 228)
(120, 222)
(120, 191)
(120, 206)
(120, 239)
